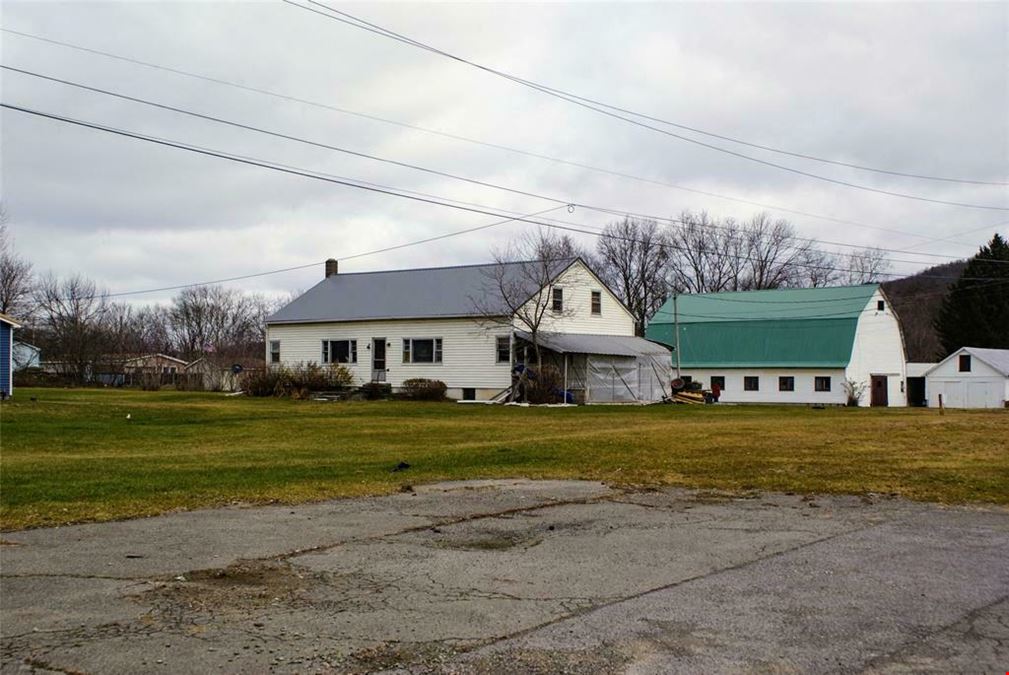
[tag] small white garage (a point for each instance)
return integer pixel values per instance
(970, 377)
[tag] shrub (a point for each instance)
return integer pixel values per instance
(545, 385)
(299, 381)
(853, 391)
(374, 391)
(421, 389)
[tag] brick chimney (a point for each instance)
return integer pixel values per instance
(331, 267)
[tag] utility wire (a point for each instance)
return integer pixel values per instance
(298, 139)
(373, 28)
(386, 191)
(465, 139)
(380, 30)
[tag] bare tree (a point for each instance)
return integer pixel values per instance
(707, 256)
(518, 289)
(214, 319)
(774, 256)
(16, 275)
(72, 313)
(633, 259)
(819, 268)
(867, 266)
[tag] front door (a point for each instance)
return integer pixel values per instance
(378, 360)
(879, 395)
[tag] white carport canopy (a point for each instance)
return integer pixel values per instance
(611, 368)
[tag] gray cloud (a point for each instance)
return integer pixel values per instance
(912, 87)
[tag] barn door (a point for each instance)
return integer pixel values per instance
(879, 395)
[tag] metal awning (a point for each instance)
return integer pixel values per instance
(609, 345)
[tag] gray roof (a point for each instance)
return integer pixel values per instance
(996, 358)
(609, 345)
(430, 293)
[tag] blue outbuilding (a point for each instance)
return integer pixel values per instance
(7, 326)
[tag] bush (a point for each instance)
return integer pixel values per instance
(374, 391)
(545, 385)
(299, 381)
(421, 389)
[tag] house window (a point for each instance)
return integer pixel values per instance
(880, 305)
(504, 349)
(751, 383)
(821, 383)
(786, 383)
(718, 381)
(965, 363)
(597, 303)
(421, 350)
(339, 351)
(558, 299)
(274, 351)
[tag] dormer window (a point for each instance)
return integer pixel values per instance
(558, 299)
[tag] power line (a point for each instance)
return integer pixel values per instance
(416, 167)
(465, 139)
(361, 23)
(556, 93)
(348, 183)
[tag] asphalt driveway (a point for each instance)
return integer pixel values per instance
(517, 576)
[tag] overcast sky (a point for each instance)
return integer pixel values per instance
(912, 87)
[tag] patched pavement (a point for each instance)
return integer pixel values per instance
(517, 576)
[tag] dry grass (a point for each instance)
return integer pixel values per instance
(73, 456)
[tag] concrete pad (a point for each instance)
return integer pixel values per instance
(516, 576)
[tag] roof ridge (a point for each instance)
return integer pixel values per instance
(445, 267)
(788, 289)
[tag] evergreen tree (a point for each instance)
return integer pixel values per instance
(975, 312)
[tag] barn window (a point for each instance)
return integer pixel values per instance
(965, 363)
(880, 305)
(504, 349)
(339, 351)
(821, 383)
(786, 383)
(751, 383)
(421, 350)
(274, 351)
(597, 302)
(558, 299)
(718, 381)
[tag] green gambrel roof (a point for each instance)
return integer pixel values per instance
(799, 328)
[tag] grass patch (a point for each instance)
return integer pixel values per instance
(72, 455)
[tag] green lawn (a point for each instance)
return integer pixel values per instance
(72, 455)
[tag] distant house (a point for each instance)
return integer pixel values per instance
(221, 373)
(790, 345)
(970, 377)
(451, 324)
(7, 326)
(25, 355)
(153, 364)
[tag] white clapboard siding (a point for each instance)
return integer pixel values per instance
(468, 349)
(578, 283)
(804, 391)
(878, 349)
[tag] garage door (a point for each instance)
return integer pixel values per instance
(952, 394)
(982, 395)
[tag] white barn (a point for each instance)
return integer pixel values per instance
(441, 323)
(970, 377)
(797, 345)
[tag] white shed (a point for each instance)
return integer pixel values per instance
(970, 377)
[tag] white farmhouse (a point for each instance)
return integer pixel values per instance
(450, 324)
(970, 377)
(790, 345)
